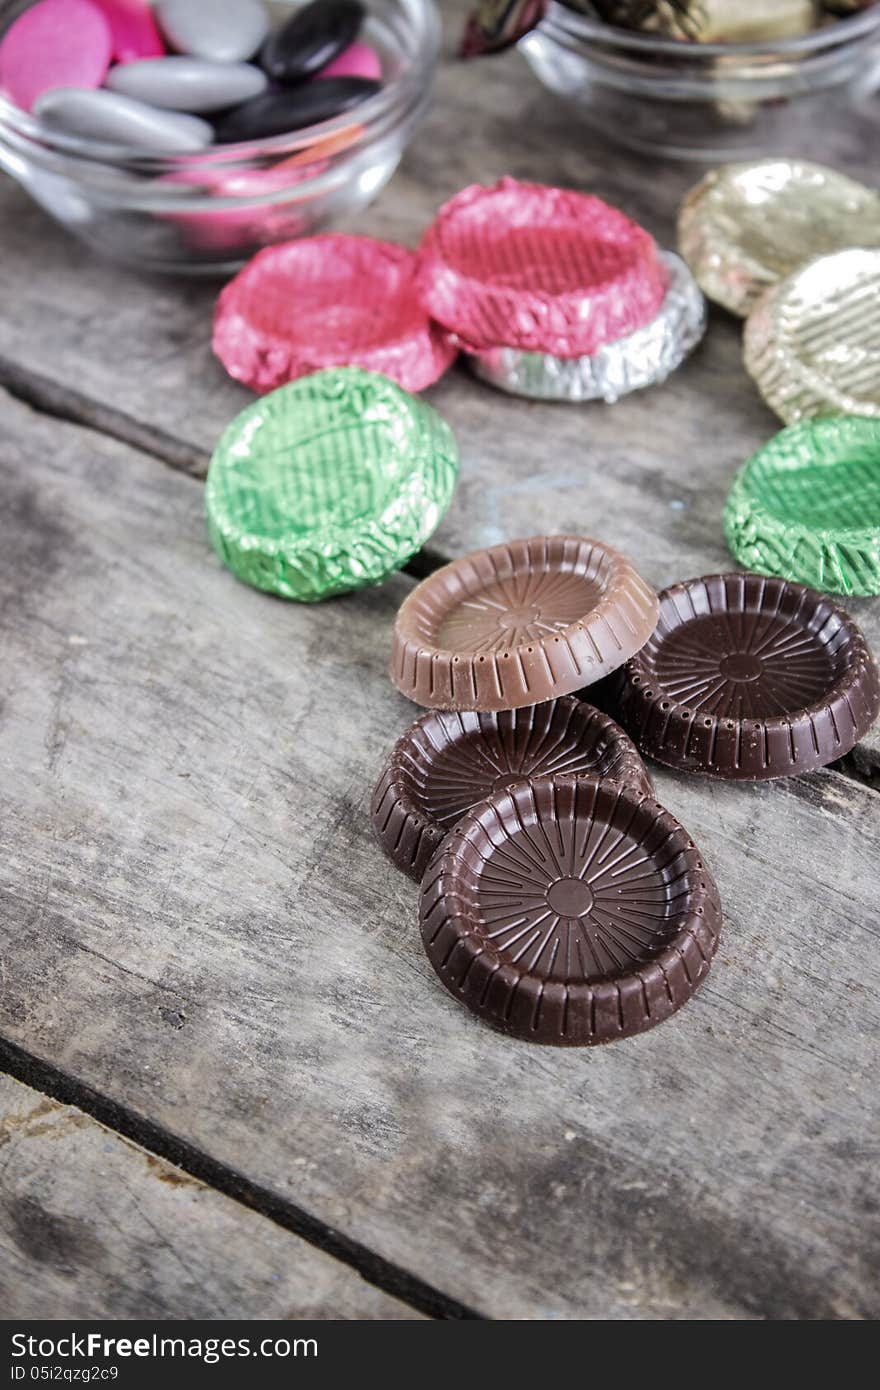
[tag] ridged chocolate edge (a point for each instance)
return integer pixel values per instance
(749, 749)
(588, 1015)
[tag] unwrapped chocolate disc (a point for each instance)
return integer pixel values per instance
(747, 226)
(643, 358)
(520, 623)
(807, 506)
(812, 342)
(445, 763)
(540, 269)
(570, 911)
(328, 484)
(329, 301)
(747, 677)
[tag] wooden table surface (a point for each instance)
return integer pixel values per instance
(235, 1086)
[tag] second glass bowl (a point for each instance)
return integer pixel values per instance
(706, 101)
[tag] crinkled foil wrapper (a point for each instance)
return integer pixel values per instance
(329, 301)
(328, 484)
(806, 507)
(812, 343)
(746, 226)
(643, 358)
(539, 268)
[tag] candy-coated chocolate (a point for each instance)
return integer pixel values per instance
(358, 60)
(56, 43)
(225, 31)
(748, 678)
(117, 120)
(276, 113)
(311, 39)
(133, 29)
(188, 84)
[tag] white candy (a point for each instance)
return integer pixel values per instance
(225, 31)
(188, 84)
(117, 120)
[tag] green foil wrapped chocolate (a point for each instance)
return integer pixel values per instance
(806, 507)
(328, 484)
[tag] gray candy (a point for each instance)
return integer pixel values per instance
(225, 31)
(187, 84)
(117, 120)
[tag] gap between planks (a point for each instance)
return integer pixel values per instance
(51, 1081)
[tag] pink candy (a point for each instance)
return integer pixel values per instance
(56, 43)
(133, 29)
(358, 60)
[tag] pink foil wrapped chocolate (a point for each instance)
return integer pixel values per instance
(328, 301)
(541, 269)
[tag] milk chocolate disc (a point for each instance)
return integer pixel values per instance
(570, 911)
(807, 506)
(537, 268)
(747, 226)
(642, 358)
(445, 763)
(747, 678)
(520, 623)
(811, 343)
(328, 301)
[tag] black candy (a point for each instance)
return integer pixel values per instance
(311, 39)
(276, 113)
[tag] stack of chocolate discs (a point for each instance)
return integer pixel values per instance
(559, 901)
(555, 295)
(180, 75)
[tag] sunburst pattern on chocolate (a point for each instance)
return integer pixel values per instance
(518, 609)
(570, 911)
(445, 763)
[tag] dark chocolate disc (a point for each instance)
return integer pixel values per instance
(311, 39)
(570, 911)
(445, 763)
(276, 113)
(748, 677)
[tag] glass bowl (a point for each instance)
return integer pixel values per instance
(712, 101)
(209, 212)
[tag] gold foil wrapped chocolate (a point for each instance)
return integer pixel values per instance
(812, 342)
(713, 21)
(747, 226)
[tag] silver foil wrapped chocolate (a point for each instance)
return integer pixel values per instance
(642, 358)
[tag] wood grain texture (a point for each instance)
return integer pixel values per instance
(196, 922)
(650, 474)
(92, 1226)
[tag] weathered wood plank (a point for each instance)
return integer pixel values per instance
(132, 356)
(197, 924)
(92, 1226)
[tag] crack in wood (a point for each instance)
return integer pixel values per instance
(51, 1081)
